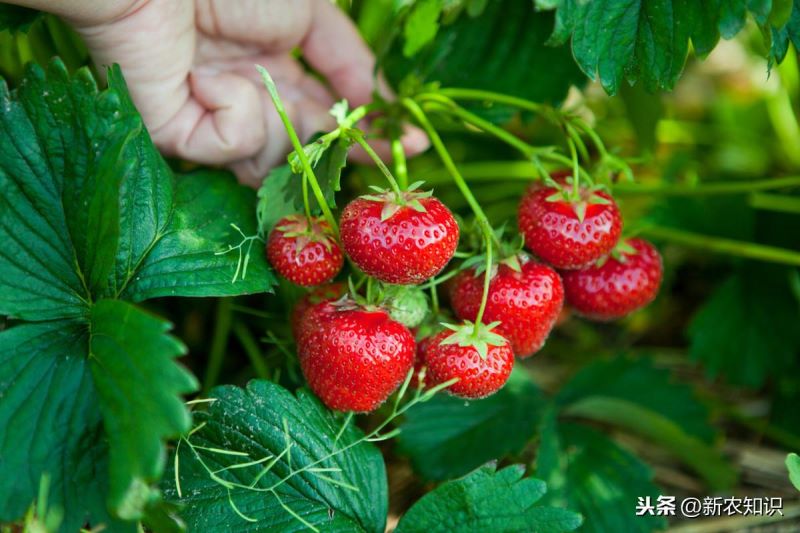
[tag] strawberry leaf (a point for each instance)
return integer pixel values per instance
(50, 401)
(448, 437)
(758, 336)
(257, 423)
(650, 41)
(582, 466)
(139, 391)
(627, 393)
(91, 213)
(488, 500)
(484, 52)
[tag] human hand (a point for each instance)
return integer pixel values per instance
(190, 68)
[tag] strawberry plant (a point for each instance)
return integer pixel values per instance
(562, 307)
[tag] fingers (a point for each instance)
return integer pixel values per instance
(329, 40)
(308, 115)
(334, 47)
(221, 121)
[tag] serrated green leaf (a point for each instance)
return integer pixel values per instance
(252, 421)
(448, 437)
(486, 52)
(488, 500)
(747, 331)
(618, 40)
(139, 390)
(793, 466)
(589, 473)
(48, 140)
(185, 259)
(49, 400)
(782, 35)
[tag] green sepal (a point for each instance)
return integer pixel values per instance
(479, 337)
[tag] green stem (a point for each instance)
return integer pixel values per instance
(298, 148)
(219, 341)
(248, 342)
(524, 171)
(487, 279)
(576, 180)
(526, 149)
(486, 227)
(748, 250)
(776, 202)
(379, 162)
(350, 120)
(450, 165)
(306, 203)
(489, 96)
(400, 166)
(434, 301)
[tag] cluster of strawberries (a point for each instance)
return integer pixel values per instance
(354, 354)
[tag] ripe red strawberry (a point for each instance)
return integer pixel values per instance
(305, 254)
(318, 295)
(403, 242)
(526, 302)
(624, 282)
(569, 234)
(354, 357)
(481, 364)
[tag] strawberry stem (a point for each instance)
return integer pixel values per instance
(306, 203)
(483, 222)
(475, 94)
(379, 162)
(487, 278)
(400, 167)
(298, 148)
(732, 247)
(528, 150)
(447, 160)
(576, 181)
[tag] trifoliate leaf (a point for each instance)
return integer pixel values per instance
(448, 437)
(280, 464)
(488, 500)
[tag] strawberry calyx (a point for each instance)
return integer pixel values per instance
(621, 252)
(506, 252)
(587, 195)
(393, 200)
(306, 231)
(479, 336)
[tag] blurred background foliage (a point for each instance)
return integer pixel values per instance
(697, 394)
